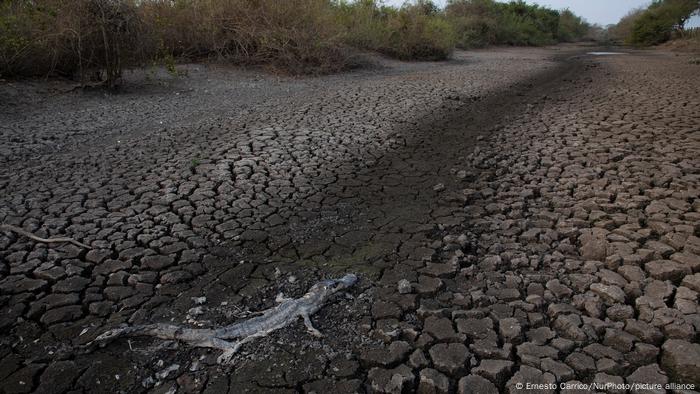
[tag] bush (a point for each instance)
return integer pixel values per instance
(84, 38)
(297, 36)
(74, 38)
(622, 31)
(656, 24)
(475, 22)
(571, 27)
(487, 22)
(416, 31)
(364, 23)
(97, 39)
(650, 29)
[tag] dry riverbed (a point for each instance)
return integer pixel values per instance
(515, 216)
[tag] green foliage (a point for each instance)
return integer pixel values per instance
(651, 28)
(475, 22)
(571, 27)
(364, 23)
(487, 22)
(416, 31)
(656, 24)
(622, 31)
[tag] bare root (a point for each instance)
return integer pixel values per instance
(14, 229)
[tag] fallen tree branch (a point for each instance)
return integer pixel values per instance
(271, 319)
(14, 229)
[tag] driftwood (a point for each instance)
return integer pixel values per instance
(14, 229)
(286, 312)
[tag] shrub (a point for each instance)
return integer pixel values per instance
(475, 22)
(364, 22)
(650, 29)
(656, 24)
(97, 39)
(487, 22)
(297, 36)
(74, 38)
(571, 27)
(416, 31)
(622, 31)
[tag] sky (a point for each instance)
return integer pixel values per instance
(602, 12)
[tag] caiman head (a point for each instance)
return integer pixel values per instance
(320, 292)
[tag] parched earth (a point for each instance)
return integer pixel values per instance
(515, 216)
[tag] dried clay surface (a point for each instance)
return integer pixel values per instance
(513, 216)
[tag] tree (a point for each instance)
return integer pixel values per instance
(657, 23)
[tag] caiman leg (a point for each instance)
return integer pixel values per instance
(310, 326)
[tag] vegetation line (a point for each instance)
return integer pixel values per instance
(95, 39)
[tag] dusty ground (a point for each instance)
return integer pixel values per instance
(543, 204)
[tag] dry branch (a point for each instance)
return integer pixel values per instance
(14, 229)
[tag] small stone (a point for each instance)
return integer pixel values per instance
(405, 287)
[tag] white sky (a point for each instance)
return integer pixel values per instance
(602, 12)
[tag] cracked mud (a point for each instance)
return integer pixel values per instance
(514, 215)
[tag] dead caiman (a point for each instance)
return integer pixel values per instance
(286, 312)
